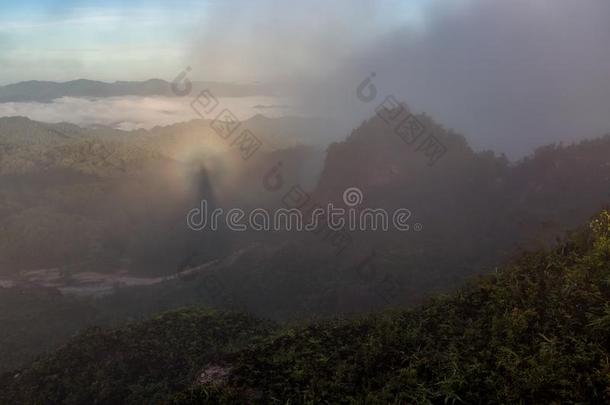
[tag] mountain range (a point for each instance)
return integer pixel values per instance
(46, 91)
(110, 204)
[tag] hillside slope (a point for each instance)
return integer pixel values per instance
(536, 332)
(141, 363)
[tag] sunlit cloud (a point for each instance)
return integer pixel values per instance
(129, 113)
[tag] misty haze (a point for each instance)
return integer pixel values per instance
(265, 202)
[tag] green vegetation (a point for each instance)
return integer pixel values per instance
(536, 332)
(141, 363)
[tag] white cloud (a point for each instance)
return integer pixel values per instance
(133, 112)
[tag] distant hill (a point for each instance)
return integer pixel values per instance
(44, 91)
(22, 131)
(536, 331)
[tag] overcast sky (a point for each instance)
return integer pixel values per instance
(511, 75)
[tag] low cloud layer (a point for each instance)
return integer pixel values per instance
(128, 113)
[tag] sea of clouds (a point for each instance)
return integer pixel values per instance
(134, 112)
